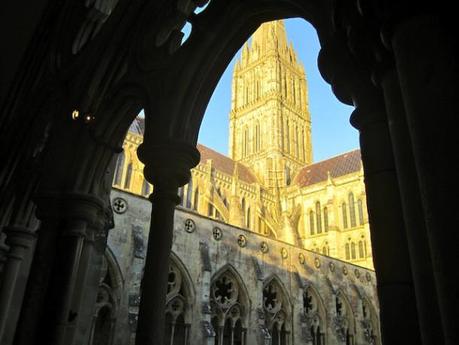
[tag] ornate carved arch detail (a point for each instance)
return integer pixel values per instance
(229, 296)
(276, 303)
(344, 320)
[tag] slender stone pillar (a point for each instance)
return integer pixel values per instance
(49, 313)
(351, 83)
(425, 51)
(167, 167)
(399, 321)
(418, 242)
(21, 241)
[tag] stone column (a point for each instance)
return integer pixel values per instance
(425, 51)
(21, 241)
(418, 242)
(52, 301)
(399, 321)
(351, 84)
(167, 167)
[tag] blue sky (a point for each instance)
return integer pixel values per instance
(331, 132)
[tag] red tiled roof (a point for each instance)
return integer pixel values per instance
(225, 164)
(337, 166)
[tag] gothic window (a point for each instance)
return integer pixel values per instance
(353, 256)
(127, 181)
(326, 219)
(181, 194)
(343, 321)
(102, 328)
(297, 146)
(196, 199)
(347, 250)
(229, 309)
(245, 143)
(311, 222)
(189, 192)
(287, 175)
(344, 210)
(210, 210)
(145, 188)
(119, 169)
(302, 144)
(177, 329)
(369, 324)
(352, 210)
(287, 137)
(360, 207)
(248, 218)
(257, 138)
(361, 251)
(318, 218)
(313, 316)
(275, 305)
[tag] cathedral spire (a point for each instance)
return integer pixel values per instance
(270, 126)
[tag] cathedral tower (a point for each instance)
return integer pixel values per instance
(270, 124)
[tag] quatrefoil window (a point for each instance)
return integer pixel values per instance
(217, 233)
(242, 241)
(190, 226)
(119, 205)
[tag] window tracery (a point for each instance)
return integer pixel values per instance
(228, 310)
(343, 322)
(177, 330)
(277, 318)
(313, 318)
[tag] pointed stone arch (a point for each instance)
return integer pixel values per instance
(230, 305)
(314, 316)
(278, 310)
(370, 322)
(344, 321)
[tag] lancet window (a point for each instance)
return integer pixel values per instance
(344, 211)
(318, 218)
(127, 181)
(343, 322)
(103, 325)
(229, 309)
(326, 219)
(352, 210)
(277, 317)
(119, 169)
(177, 308)
(370, 324)
(360, 208)
(145, 188)
(313, 321)
(311, 222)
(196, 199)
(189, 193)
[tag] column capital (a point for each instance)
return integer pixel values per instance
(168, 164)
(73, 207)
(19, 236)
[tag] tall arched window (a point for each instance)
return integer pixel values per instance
(344, 210)
(257, 137)
(318, 218)
(348, 253)
(353, 256)
(276, 308)
(196, 199)
(229, 305)
(246, 142)
(127, 181)
(181, 194)
(311, 222)
(119, 169)
(145, 188)
(315, 315)
(344, 323)
(361, 251)
(360, 207)
(352, 210)
(248, 218)
(303, 137)
(177, 329)
(189, 192)
(287, 137)
(326, 219)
